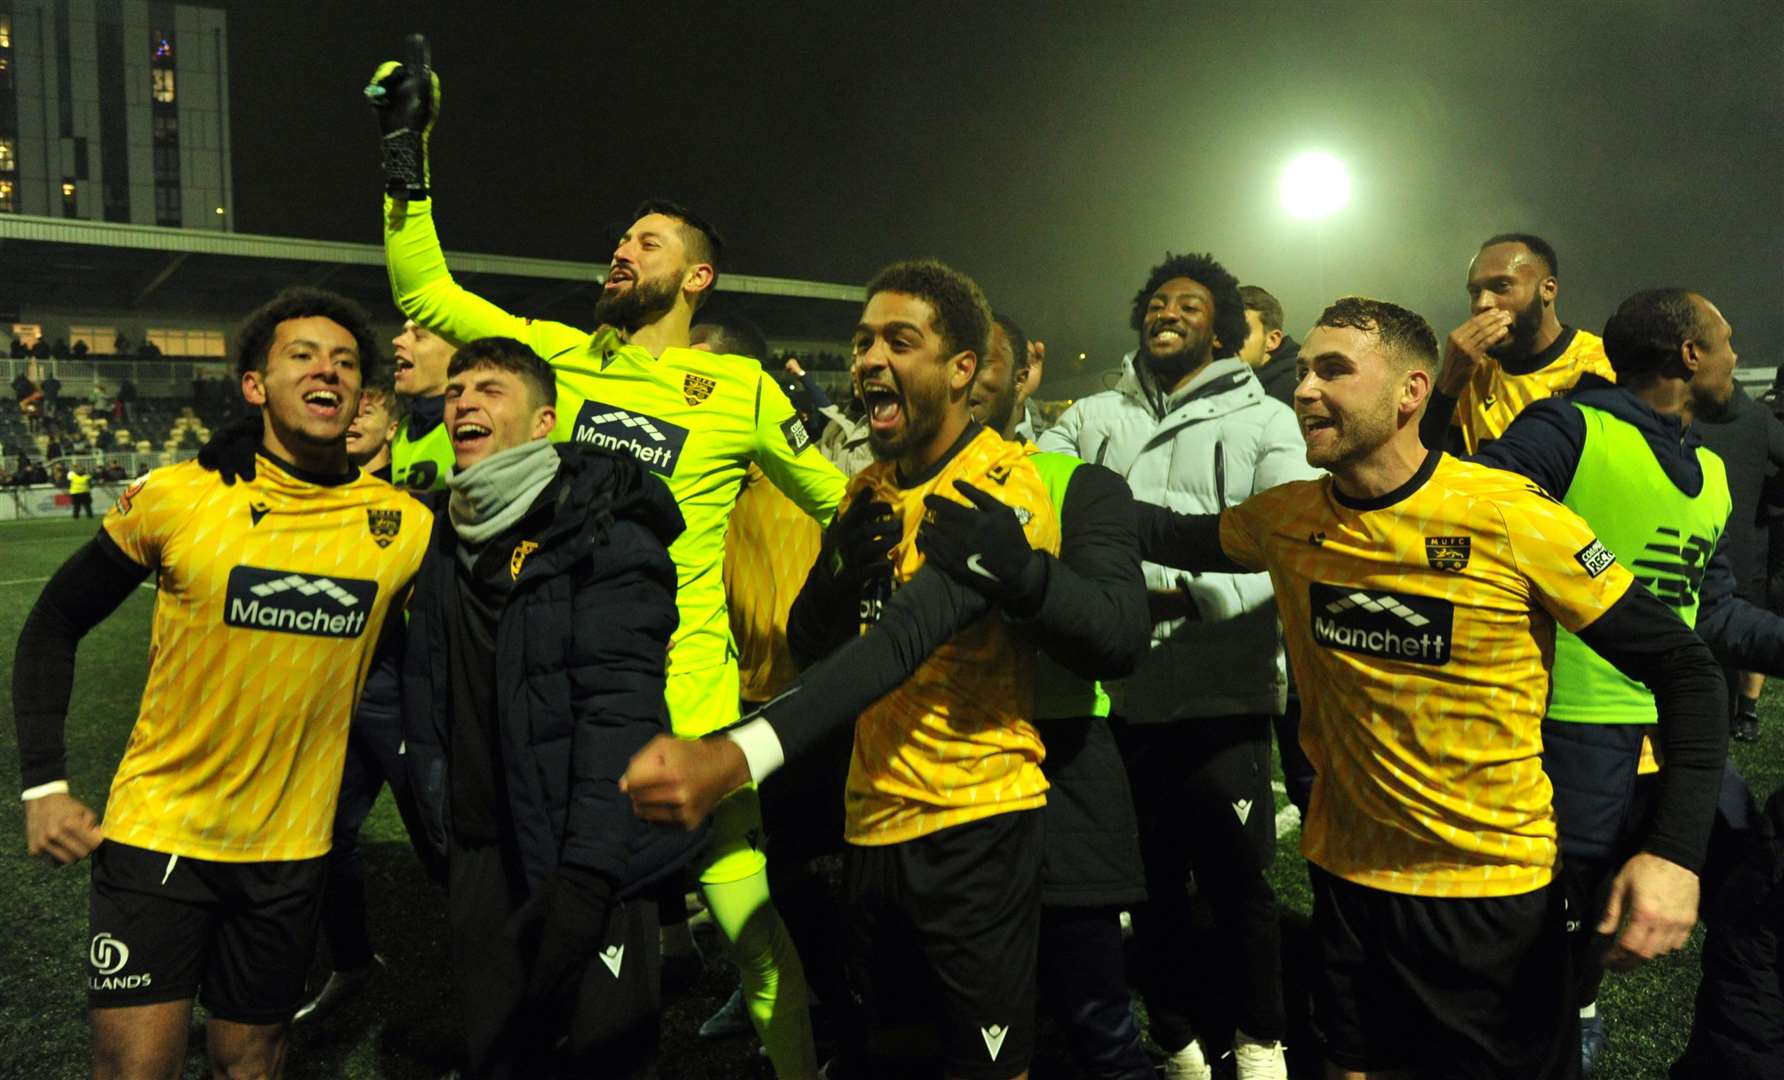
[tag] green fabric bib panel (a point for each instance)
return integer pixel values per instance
(1059, 694)
(1661, 535)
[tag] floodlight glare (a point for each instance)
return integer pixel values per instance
(1314, 185)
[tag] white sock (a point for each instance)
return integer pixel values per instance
(1589, 1011)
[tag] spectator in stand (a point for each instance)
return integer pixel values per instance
(18, 351)
(149, 350)
(32, 407)
(1750, 441)
(126, 400)
(52, 449)
(1267, 348)
(60, 349)
(41, 349)
(121, 345)
(105, 441)
(22, 386)
(52, 393)
(80, 349)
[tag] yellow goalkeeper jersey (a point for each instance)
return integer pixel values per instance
(695, 418)
(1494, 397)
(1426, 622)
(956, 742)
(270, 597)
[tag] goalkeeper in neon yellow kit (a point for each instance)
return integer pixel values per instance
(698, 420)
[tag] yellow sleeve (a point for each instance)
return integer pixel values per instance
(1572, 575)
(144, 516)
(423, 288)
(785, 452)
(1236, 537)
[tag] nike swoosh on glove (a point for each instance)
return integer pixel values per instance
(982, 546)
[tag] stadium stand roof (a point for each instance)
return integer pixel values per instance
(71, 263)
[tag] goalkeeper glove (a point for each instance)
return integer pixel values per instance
(406, 98)
(983, 547)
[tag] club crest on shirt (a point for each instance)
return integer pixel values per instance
(1447, 552)
(519, 558)
(697, 388)
(384, 525)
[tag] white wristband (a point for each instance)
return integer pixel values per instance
(54, 787)
(761, 747)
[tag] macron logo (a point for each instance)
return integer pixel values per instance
(613, 956)
(994, 1039)
(1242, 807)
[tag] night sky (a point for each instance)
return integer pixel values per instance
(1055, 152)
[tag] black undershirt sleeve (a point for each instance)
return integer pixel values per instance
(919, 618)
(87, 588)
(1183, 541)
(1092, 618)
(1437, 429)
(1645, 640)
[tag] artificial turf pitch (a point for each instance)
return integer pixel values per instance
(402, 1027)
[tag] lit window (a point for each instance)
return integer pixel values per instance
(27, 332)
(9, 156)
(70, 205)
(5, 31)
(100, 340)
(163, 85)
(9, 202)
(174, 342)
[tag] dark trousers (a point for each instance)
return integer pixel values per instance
(802, 812)
(1297, 771)
(83, 501)
(607, 1026)
(1202, 790)
(373, 759)
(1083, 986)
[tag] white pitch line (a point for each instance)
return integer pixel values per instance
(25, 581)
(1287, 819)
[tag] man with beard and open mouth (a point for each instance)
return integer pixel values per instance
(696, 419)
(1510, 365)
(1191, 428)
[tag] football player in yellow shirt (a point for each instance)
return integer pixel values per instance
(1519, 350)
(1421, 594)
(208, 866)
(698, 420)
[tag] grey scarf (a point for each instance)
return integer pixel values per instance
(490, 496)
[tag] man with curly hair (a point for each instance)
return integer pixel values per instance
(1192, 429)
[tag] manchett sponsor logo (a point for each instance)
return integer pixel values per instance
(315, 605)
(1394, 626)
(657, 444)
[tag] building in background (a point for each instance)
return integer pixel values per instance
(115, 110)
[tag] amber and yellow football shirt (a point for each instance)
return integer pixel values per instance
(956, 742)
(270, 595)
(1494, 397)
(695, 418)
(1426, 621)
(770, 547)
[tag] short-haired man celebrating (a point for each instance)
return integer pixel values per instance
(1421, 594)
(209, 865)
(532, 672)
(421, 449)
(1268, 348)
(1524, 351)
(698, 420)
(1190, 427)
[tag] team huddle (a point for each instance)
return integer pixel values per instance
(611, 612)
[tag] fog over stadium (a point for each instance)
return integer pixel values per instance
(1056, 152)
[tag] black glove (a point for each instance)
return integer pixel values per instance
(230, 453)
(574, 904)
(981, 546)
(860, 544)
(406, 98)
